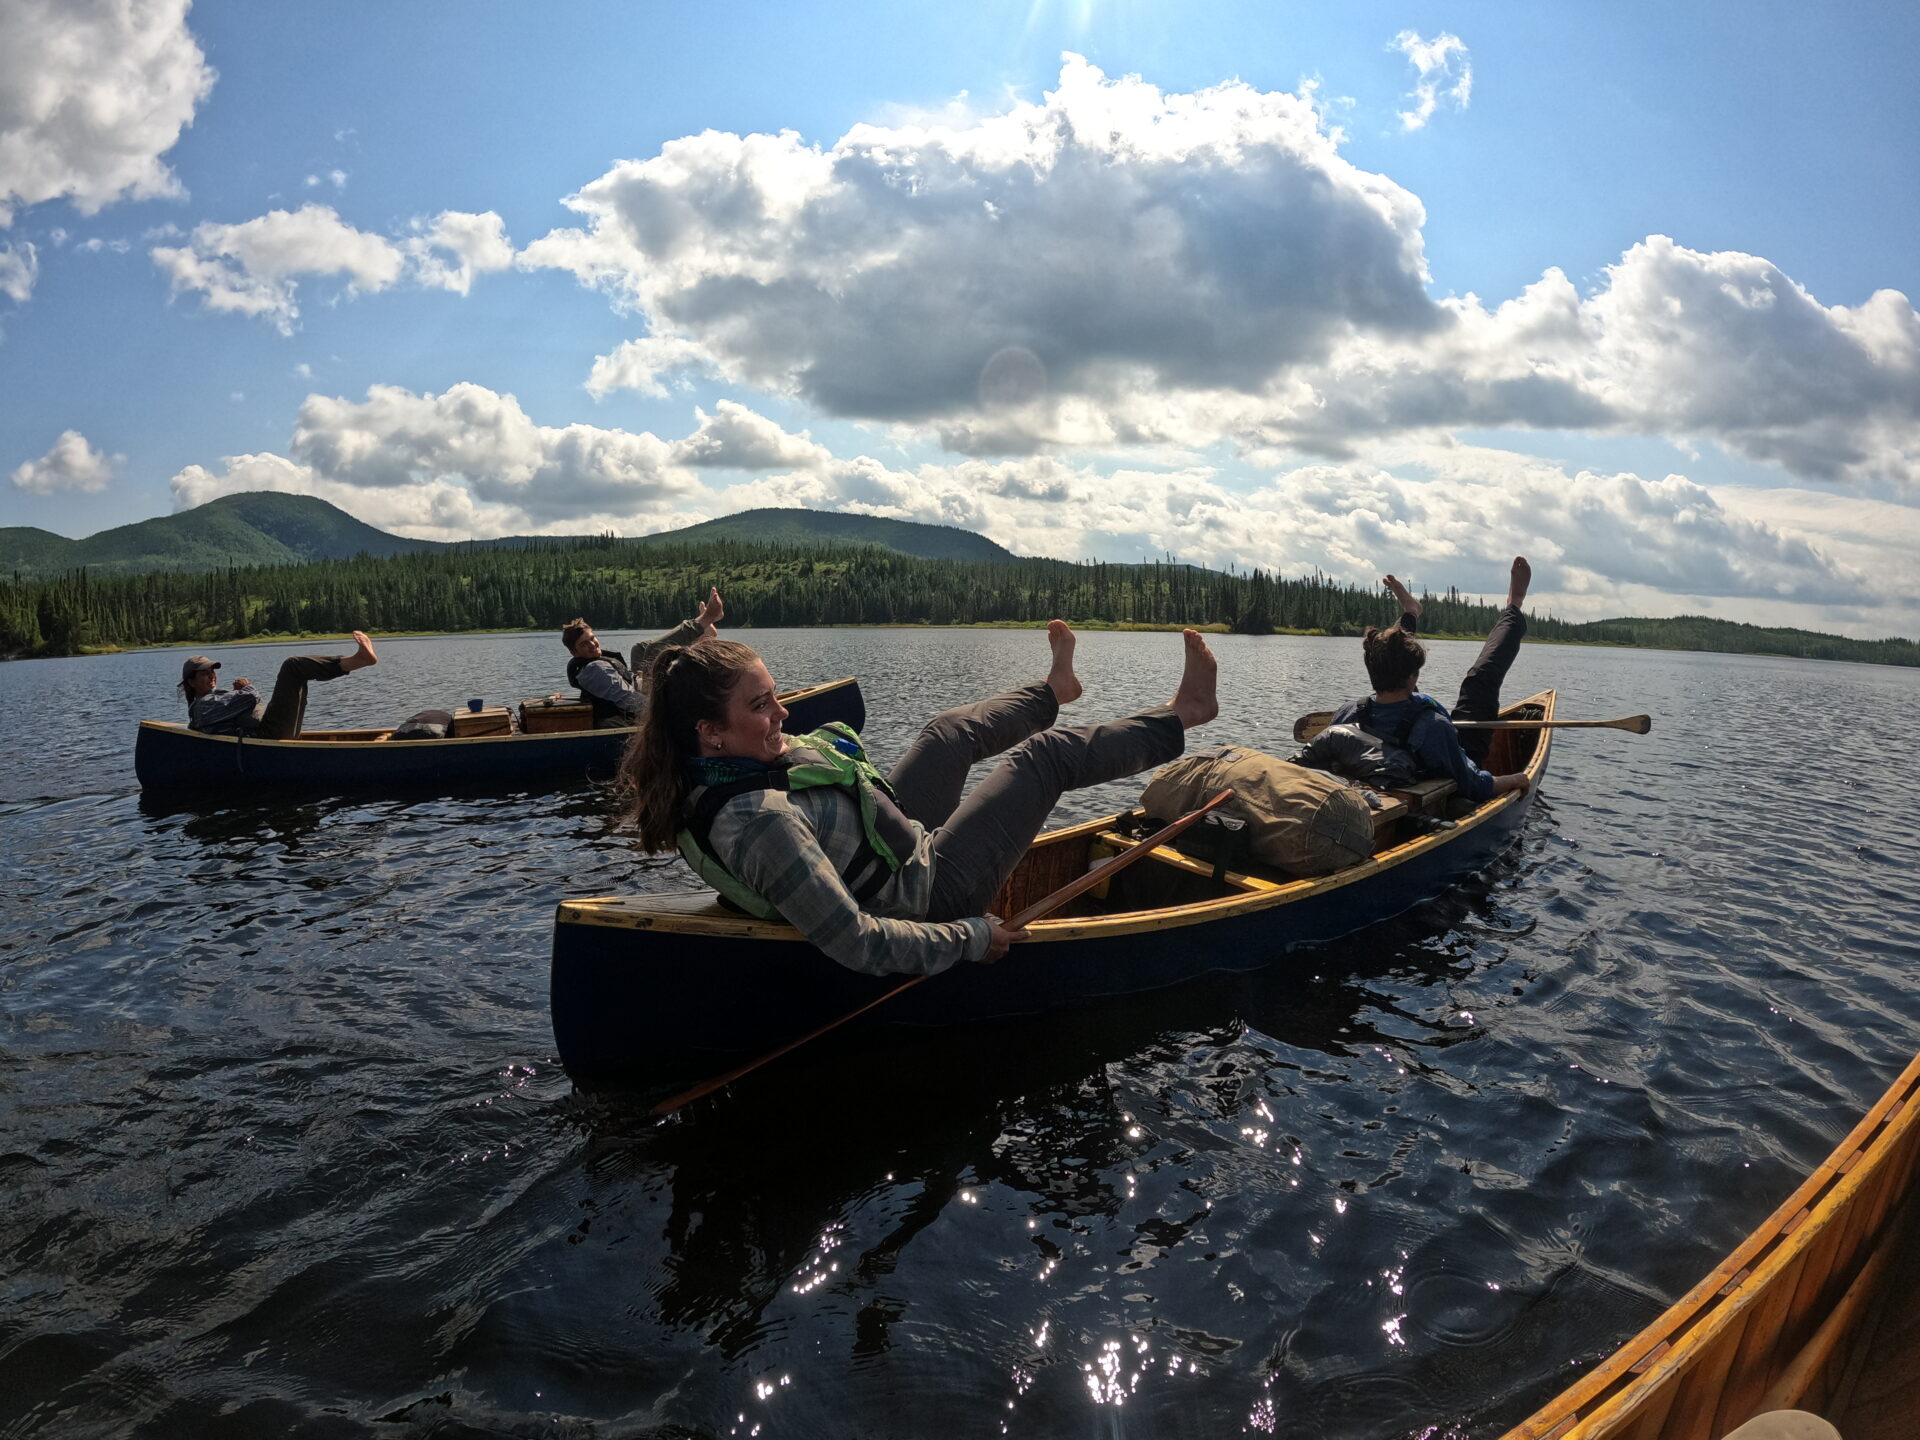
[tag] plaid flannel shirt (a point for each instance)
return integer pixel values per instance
(791, 848)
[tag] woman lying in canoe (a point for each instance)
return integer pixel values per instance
(1417, 732)
(241, 711)
(885, 874)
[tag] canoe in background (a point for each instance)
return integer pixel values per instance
(169, 756)
(1777, 1325)
(669, 987)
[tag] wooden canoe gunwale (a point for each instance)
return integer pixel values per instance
(1757, 1332)
(698, 914)
(336, 741)
(170, 757)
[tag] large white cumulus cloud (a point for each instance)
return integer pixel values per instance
(1117, 265)
(466, 462)
(1129, 242)
(1676, 342)
(92, 94)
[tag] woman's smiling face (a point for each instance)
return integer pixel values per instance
(751, 730)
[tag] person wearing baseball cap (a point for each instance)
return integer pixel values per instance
(241, 711)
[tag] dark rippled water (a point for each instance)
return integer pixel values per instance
(285, 1152)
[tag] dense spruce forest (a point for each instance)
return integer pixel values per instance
(621, 585)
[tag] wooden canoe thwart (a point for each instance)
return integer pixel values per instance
(1774, 1326)
(675, 987)
(169, 756)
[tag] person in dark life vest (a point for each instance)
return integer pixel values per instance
(607, 682)
(1398, 734)
(240, 710)
(885, 874)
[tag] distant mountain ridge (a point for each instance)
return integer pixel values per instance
(264, 527)
(260, 527)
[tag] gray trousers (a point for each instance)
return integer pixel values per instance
(287, 710)
(978, 841)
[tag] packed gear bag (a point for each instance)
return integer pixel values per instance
(424, 725)
(1305, 822)
(1361, 750)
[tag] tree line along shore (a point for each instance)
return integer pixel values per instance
(619, 586)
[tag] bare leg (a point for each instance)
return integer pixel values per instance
(1197, 700)
(978, 847)
(930, 776)
(362, 656)
(1518, 579)
(1410, 608)
(1060, 677)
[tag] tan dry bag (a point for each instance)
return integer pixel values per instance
(1305, 822)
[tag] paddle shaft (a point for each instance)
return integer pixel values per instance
(1105, 870)
(1634, 724)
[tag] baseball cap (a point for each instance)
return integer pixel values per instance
(195, 664)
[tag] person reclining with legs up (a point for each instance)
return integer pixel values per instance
(1416, 735)
(886, 874)
(610, 684)
(241, 711)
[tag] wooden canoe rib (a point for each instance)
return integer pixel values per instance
(169, 756)
(672, 986)
(1775, 1324)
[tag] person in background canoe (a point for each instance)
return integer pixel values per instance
(1416, 732)
(240, 710)
(608, 683)
(886, 875)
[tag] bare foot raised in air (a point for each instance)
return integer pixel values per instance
(1197, 700)
(1517, 583)
(1060, 678)
(361, 657)
(1408, 604)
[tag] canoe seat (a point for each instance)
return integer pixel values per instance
(1425, 797)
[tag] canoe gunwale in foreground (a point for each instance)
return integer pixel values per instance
(1758, 1332)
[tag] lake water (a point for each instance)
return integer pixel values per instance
(284, 1149)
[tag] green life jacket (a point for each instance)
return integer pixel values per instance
(831, 755)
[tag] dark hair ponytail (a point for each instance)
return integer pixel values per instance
(685, 685)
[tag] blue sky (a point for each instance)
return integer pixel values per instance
(1628, 289)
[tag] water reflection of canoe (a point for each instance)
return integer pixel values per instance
(674, 986)
(1790, 1319)
(167, 755)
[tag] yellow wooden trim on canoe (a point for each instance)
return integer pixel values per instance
(652, 912)
(1167, 855)
(333, 741)
(1635, 1380)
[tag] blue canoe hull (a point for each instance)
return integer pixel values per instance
(168, 756)
(666, 988)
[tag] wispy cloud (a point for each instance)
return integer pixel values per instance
(1443, 71)
(19, 270)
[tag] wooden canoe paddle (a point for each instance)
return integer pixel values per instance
(1104, 871)
(1308, 726)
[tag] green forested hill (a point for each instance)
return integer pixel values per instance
(263, 528)
(814, 529)
(25, 550)
(257, 528)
